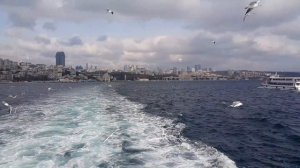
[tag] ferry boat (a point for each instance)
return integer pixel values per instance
(297, 85)
(277, 82)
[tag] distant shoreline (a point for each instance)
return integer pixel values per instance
(9, 82)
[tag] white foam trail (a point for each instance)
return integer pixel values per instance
(98, 127)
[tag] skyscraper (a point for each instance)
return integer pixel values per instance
(197, 67)
(188, 69)
(60, 58)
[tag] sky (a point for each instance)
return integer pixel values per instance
(164, 33)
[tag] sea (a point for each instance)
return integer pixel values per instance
(180, 124)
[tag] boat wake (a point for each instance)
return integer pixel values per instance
(97, 127)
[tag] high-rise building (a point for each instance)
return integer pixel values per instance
(188, 69)
(60, 58)
(197, 67)
(126, 68)
(87, 66)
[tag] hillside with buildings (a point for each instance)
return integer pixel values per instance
(11, 71)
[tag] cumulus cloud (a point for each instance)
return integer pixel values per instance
(41, 39)
(49, 26)
(102, 38)
(231, 51)
(219, 15)
(22, 21)
(268, 40)
(76, 40)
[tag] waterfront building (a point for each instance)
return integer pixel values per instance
(6, 64)
(175, 70)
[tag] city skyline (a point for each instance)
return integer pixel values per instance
(154, 33)
(60, 62)
(24, 71)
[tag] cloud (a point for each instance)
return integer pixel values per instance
(102, 38)
(41, 39)
(49, 26)
(232, 51)
(212, 14)
(267, 40)
(73, 41)
(25, 21)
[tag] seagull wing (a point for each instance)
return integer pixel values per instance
(244, 18)
(252, 3)
(247, 12)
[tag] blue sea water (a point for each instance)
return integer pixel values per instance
(149, 124)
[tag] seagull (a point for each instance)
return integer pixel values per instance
(7, 105)
(236, 104)
(250, 7)
(49, 89)
(110, 11)
(11, 96)
(214, 42)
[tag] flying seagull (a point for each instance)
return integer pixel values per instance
(7, 105)
(110, 11)
(236, 104)
(13, 97)
(214, 42)
(250, 7)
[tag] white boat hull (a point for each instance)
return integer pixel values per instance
(282, 83)
(278, 87)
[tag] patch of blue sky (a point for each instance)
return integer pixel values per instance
(4, 24)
